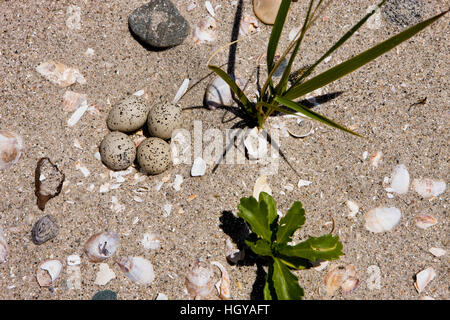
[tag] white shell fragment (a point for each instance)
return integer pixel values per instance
(76, 116)
(73, 100)
(218, 93)
(60, 74)
(151, 241)
(256, 144)
(224, 285)
(177, 182)
(11, 148)
(137, 269)
(382, 219)
(437, 252)
(261, 185)
(104, 274)
(375, 158)
(423, 278)
(428, 188)
(374, 280)
(3, 246)
(205, 30)
(399, 180)
(425, 221)
(181, 91)
(161, 296)
(198, 168)
(101, 246)
(73, 277)
(303, 183)
(48, 272)
(210, 8)
(200, 280)
(320, 265)
(73, 260)
(341, 277)
(353, 208)
(248, 25)
(191, 6)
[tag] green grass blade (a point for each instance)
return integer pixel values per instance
(357, 61)
(276, 33)
(337, 44)
(233, 86)
(313, 115)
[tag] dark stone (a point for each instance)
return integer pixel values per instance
(44, 229)
(403, 13)
(105, 295)
(159, 24)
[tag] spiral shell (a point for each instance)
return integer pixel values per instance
(137, 269)
(11, 148)
(101, 246)
(44, 229)
(200, 280)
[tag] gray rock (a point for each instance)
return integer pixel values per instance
(403, 13)
(105, 295)
(44, 229)
(159, 24)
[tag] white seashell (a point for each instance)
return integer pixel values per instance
(340, 276)
(423, 278)
(73, 100)
(218, 93)
(151, 241)
(374, 280)
(399, 180)
(353, 207)
(427, 298)
(177, 182)
(437, 252)
(248, 25)
(210, 8)
(375, 158)
(205, 30)
(181, 91)
(82, 169)
(198, 168)
(382, 219)
(200, 280)
(261, 185)
(11, 148)
(137, 269)
(76, 116)
(101, 246)
(191, 6)
(428, 188)
(74, 260)
(73, 280)
(104, 275)
(425, 221)
(60, 74)
(255, 143)
(89, 52)
(303, 183)
(3, 246)
(349, 285)
(161, 296)
(232, 253)
(48, 272)
(224, 285)
(116, 206)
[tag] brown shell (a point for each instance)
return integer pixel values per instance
(43, 193)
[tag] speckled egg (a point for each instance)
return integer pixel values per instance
(128, 114)
(154, 155)
(117, 151)
(163, 119)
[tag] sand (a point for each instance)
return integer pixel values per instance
(375, 102)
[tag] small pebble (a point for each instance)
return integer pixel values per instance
(105, 295)
(44, 229)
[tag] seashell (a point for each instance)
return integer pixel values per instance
(375, 158)
(191, 6)
(205, 30)
(266, 10)
(198, 168)
(217, 94)
(44, 229)
(177, 182)
(255, 143)
(210, 8)
(101, 246)
(303, 128)
(428, 188)
(137, 269)
(181, 91)
(104, 274)
(51, 186)
(73, 100)
(382, 219)
(60, 74)
(48, 272)
(73, 260)
(161, 296)
(200, 280)
(3, 246)
(248, 25)
(349, 285)
(353, 207)
(374, 280)
(399, 180)
(340, 276)
(11, 148)
(437, 252)
(151, 241)
(423, 278)
(224, 285)
(76, 116)
(232, 253)
(425, 221)
(261, 185)
(303, 183)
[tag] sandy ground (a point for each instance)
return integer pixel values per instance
(376, 103)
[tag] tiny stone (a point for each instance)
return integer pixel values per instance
(44, 229)
(105, 295)
(403, 13)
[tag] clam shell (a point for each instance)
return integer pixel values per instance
(341, 277)
(248, 25)
(399, 180)
(382, 219)
(44, 229)
(48, 272)
(11, 149)
(428, 188)
(101, 246)
(423, 278)
(200, 280)
(137, 269)
(205, 30)
(425, 221)
(232, 253)
(3, 246)
(266, 10)
(218, 93)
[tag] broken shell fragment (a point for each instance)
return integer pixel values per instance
(423, 278)
(224, 285)
(218, 93)
(11, 148)
(44, 229)
(256, 144)
(437, 252)
(48, 181)
(60, 74)
(428, 188)
(101, 246)
(151, 241)
(73, 100)
(48, 272)
(375, 158)
(3, 246)
(266, 10)
(399, 180)
(425, 221)
(198, 168)
(248, 25)
(261, 185)
(205, 30)
(137, 269)
(382, 219)
(104, 274)
(200, 280)
(341, 277)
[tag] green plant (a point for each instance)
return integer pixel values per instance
(270, 239)
(280, 97)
